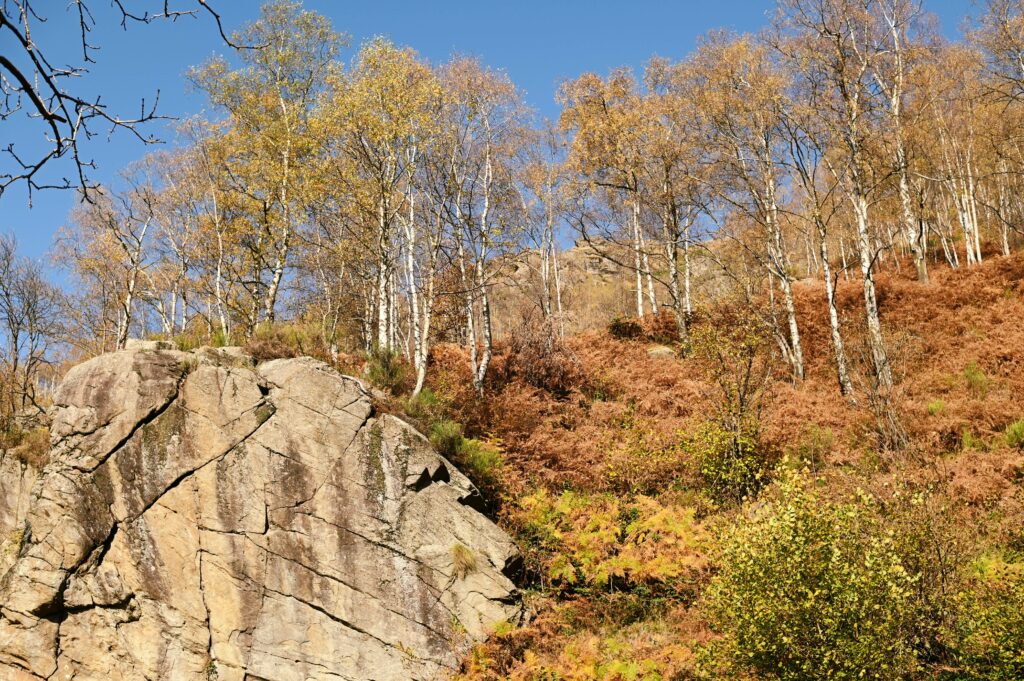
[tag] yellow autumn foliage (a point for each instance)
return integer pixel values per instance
(581, 541)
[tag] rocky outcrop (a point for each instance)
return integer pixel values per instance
(205, 518)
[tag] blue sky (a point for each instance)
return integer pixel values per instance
(538, 43)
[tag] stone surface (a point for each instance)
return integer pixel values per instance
(661, 352)
(202, 517)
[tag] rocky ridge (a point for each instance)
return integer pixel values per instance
(202, 517)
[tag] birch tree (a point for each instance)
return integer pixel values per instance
(610, 124)
(740, 96)
(270, 103)
(484, 123)
(837, 44)
(376, 123)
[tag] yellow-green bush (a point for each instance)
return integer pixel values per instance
(808, 589)
(977, 381)
(446, 436)
(731, 465)
(480, 461)
(990, 626)
(426, 407)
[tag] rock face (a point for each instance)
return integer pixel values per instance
(204, 518)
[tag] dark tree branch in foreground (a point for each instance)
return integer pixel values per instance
(34, 84)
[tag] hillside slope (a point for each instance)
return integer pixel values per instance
(612, 455)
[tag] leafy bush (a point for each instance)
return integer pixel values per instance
(936, 407)
(426, 407)
(1015, 434)
(480, 461)
(735, 353)
(990, 629)
(811, 590)
(731, 465)
(583, 543)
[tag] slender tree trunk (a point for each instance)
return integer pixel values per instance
(411, 285)
(134, 256)
(383, 275)
(637, 264)
(481, 283)
(485, 324)
(912, 226)
(558, 288)
(670, 235)
(284, 244)
(879, 357)
(838, 347)
(780, 337)
(651, 298)
(973, 204)
(777, 250)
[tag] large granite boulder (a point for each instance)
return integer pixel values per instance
(205, 518)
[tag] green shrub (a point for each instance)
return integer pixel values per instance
(977, 381)
(219, 339)
(196, 338)
(598, 543)
(968, 440)
(811, 590)
(990, 628)
(736, 356)
(1015, 434)
(481, 462)
(425, 407)
(387, 370)
(936, 407)
(446, 436)
(731, 466)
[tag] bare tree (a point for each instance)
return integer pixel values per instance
(40, 86)
(29, 327)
